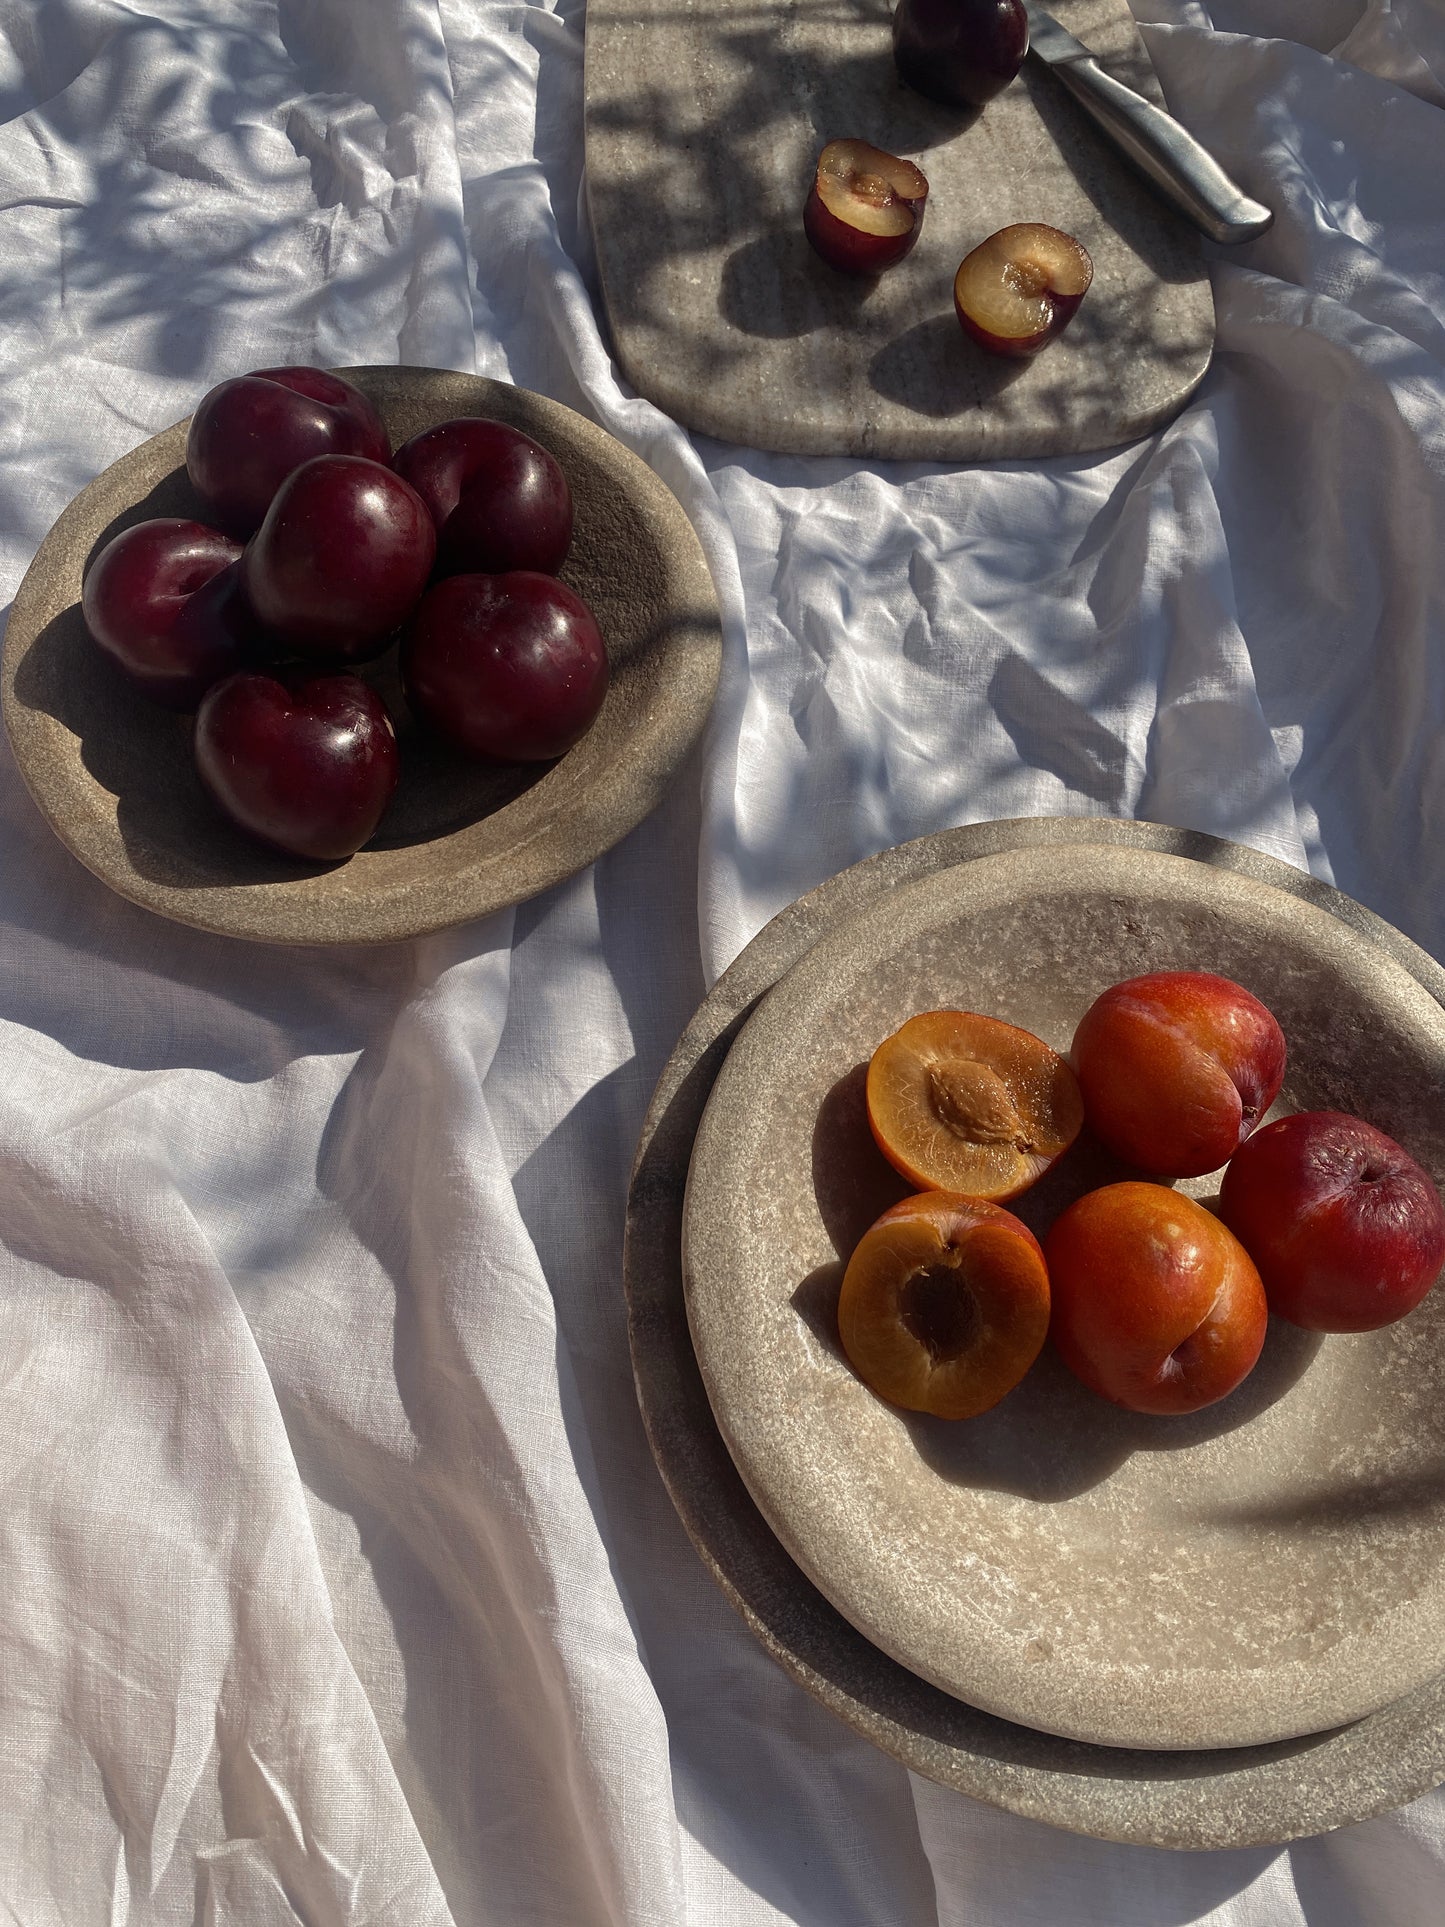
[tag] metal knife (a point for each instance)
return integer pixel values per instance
(1170, 159)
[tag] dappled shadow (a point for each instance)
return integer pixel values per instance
(933, 369)
(723, 315)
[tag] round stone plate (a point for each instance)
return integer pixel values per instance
(1223, 1797)
(113, 774)
(1264, 1569)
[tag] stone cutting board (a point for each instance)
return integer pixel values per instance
(704, 119)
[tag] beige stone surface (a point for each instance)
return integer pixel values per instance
(703, 126)
(114, 776)
(1183, 1798)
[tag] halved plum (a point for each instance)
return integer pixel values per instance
(962, 1102)
(944, 1304)
(865, 207)
(1018, 290)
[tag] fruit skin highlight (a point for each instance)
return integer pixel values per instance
(1176, 1069)
(944, 1304)
(1156, 1304)
(1347, 1230)
(864, 210)
(962, 1102)
(1018, 290)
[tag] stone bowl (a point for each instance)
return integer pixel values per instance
(113, 775)
(1263, 1569)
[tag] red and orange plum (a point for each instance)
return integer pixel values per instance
(1176, 1069)
(1156, 1304)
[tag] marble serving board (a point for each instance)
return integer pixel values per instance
(704, 122)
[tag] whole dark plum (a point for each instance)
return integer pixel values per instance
(307, 766)
(163, 600)
(511, 666)
(341, 558)
(499, 500)
(962, 52)
(251, 432)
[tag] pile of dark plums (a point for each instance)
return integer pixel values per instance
(322, 548)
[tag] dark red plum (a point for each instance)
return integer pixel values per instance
(1347, 1230)
(307, 767)
(341, 558)
(962, 52)
(511, 666)
(250, 433)
(163, 600)
(499, 500)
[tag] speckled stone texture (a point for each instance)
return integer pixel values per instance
(703, 127)
(1353, 1483)
(113, 774)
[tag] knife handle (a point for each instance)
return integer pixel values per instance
(1163, 151)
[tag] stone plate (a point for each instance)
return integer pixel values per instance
(1264, 1569)
(1249, 1795)
(704, 125)
(113, 774)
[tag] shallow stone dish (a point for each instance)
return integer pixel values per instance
(1239, 1796)
(1261, 1570)
(112, 773)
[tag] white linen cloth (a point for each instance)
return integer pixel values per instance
(338, 1584)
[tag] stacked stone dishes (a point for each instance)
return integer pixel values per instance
(1132, 1731)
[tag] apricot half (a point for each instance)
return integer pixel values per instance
(945, 1304)
(960, 1102)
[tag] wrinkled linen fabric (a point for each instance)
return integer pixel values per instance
(338, 1584)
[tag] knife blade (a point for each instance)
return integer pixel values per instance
(1169, 157)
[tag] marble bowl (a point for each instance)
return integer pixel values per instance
(113, 775)
(1269, 1568)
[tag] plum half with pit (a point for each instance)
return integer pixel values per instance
(251, 432)
(499, 500)
(1018, 290)
(959, 1101)
(865, 207)
(961, 52)
(306, 766)
(510, 666)
(341, 559)
(163, 601)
